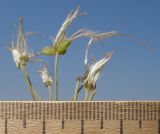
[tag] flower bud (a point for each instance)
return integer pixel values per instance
(60, 49)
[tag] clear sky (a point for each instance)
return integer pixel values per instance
(133, 73)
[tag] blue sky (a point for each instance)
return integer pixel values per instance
(133, 73)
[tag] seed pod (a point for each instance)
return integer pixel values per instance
(90, 85)
(63, 46)
(49, 50)
(61, 49)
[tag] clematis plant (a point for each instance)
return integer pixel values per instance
(61, 42)
(92, 74)
(20, 49)
(47, 79)
(58, 47)
(21, 56)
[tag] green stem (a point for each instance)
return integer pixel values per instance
(29, 84)
(50, 93)
(92, 95)
(76, 89)
(81, 87)
(86, 95)
(56, 76)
